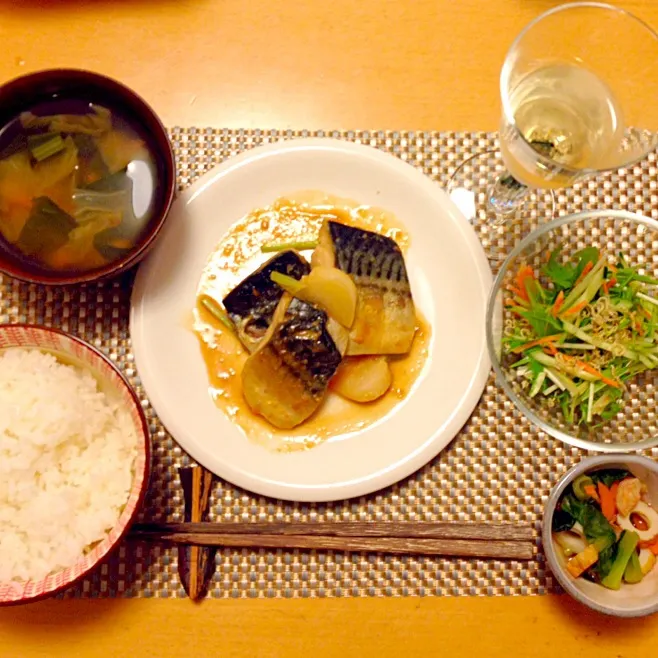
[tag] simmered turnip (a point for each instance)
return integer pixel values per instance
(362, 378)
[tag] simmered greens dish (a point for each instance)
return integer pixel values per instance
(579, 330)
(76, 188)
(606, 529)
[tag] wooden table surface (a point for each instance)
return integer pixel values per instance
(423, 64)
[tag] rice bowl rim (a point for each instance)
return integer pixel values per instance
(31, 336)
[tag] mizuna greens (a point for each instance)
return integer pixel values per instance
(579, 330)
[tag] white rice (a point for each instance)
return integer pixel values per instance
(66, 463)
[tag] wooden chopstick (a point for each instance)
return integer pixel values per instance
(407, 538)
(196, 562)
(408, 529)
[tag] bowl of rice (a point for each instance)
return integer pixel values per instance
(74, 460)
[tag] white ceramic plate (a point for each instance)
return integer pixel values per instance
(450, 280)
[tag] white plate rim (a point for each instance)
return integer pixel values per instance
(373, 481)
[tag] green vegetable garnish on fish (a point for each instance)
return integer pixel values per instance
(215, 310)
(300, 245)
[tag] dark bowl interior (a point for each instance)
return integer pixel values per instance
(39, 88)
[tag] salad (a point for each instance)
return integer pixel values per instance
(579, 330)
(606, 529)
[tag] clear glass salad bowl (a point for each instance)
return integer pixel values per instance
(572, 329)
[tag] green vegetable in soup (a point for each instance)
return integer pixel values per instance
(95, 123)
(47, 228)
(89, 203)
(45, 145)
(17, 145)
(118, 150)
(66, 188)
(79, 248)
(92, 169)
(111, 183)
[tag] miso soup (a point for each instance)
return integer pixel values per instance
(77, 186)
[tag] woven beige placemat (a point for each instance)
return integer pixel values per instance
(498, 467)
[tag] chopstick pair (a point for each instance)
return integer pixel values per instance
(457, 539)
(198, 540)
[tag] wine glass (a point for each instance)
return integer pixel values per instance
(573, 87)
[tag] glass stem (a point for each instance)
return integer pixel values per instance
(506, 194)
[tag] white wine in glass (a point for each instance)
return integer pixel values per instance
(568, 115)
(572, 105)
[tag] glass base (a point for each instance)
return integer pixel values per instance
(470, 189)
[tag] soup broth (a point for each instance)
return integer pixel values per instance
(77, 186)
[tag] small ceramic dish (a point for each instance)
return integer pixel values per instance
(83, 355)
(636, 600)
(50, 91)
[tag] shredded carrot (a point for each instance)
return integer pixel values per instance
(586, 270)
(558, 304)
(598, 374)
(120, 243)
(523, 297)
(639, 328)
(550, 349)
(609, 284)
(608, 501)
(510, 302)
(653, 547)
(610, 382)
(589, 368)
(534, 343)
(612, 268)
(575, 309)
(525, 272)
(591, 491)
